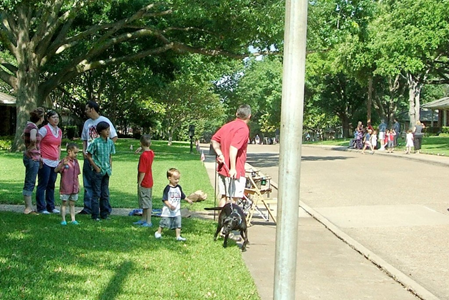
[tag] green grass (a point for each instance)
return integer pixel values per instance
(433, 145)
(40, 259)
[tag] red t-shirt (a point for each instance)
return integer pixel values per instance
(236, 134)
(145, 163)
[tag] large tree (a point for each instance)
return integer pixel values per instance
(411, 40)
(186, 101)
(51, 42)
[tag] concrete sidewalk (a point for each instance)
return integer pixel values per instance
(330, 263)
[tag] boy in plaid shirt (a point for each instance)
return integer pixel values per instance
(99, 155)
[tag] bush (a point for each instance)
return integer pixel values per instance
(445, 129)
(70, 131)
(6, 142)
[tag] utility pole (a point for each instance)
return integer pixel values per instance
(293, 83)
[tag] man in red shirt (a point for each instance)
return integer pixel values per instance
(230, 143)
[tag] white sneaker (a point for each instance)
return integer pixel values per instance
(180, 238)
(157, 235)
(55, 211)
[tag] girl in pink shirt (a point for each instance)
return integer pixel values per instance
(69, 186)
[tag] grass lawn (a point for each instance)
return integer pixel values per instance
(434, 145)
(112, 259)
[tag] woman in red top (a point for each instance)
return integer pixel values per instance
(51, 152)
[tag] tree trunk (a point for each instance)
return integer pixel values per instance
(27, 99)
(345, 125)
(170, 136)
(27, 94)
(370, 98)
(414, 98)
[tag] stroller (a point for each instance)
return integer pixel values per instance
(357, 141)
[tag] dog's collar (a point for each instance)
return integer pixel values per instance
(236, 212)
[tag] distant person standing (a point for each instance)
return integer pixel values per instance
(417, 136)
(230, 143)
(409, 141)
(51, 151)
(31, 156)
(359, 132)
(90, 133)
(382, 130)
(397, 129)
(374, 139)
(369, 126)
(390, 137)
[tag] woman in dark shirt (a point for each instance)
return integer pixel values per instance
(417, 136)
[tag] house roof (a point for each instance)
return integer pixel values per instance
(442, 103)
(7, 100)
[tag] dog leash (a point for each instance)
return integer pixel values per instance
(236, 212)
(231, 186)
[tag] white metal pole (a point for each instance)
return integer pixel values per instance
(290, 148)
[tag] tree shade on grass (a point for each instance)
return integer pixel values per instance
(113, 259)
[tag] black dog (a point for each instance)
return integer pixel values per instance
(231, 218)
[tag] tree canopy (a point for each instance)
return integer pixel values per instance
(51, 42)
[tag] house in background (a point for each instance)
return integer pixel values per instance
(439, 107)
(7, 114)
(426, 116)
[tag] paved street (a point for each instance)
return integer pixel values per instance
(390, 207)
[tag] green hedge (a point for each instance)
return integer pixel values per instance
(445, 129)
(6, 142)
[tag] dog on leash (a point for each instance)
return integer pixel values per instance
(231, 218)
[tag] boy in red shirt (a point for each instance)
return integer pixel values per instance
(145, 182)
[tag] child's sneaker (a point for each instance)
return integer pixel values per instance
(180, 238)
(63, 223)
(74, 223)
(140, 222)
(145, 224)
(157, 235)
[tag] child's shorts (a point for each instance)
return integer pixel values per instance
(390, 144)
(71, 197)
(170, 222)
(145, 197)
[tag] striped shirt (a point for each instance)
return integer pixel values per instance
(101, 151)
(34, 154)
